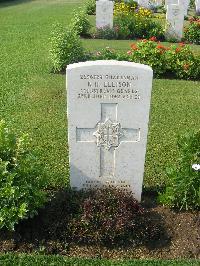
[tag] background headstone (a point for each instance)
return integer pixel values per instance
(144, 3)
(197, 7)
(171, 2)
(104, 14)
(153, 4)
(159, 2)
(185, 4)
(174, 21)
(108, 114)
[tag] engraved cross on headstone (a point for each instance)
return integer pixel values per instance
(107, 134)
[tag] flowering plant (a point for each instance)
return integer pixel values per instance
(143, 12)
(196, 167)
(151, 53)
(178, 61)
(182, 62)
(125, 8)
(131, 8)
(137, 27)
(192, 32)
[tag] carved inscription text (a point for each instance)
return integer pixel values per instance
(108, 87)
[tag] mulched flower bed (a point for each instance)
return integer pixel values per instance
(171, 234)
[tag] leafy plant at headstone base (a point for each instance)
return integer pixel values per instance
(104, 33)
(107, 216)
(192, 32)
(80, 22)
(21, 179)
(90, 7)
(182, 62)
(122, 27)
(183, 185)
(151, 53)
(66, 47)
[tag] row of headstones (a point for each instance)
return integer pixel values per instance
(176, 10)
(108, 114)
(156, 3)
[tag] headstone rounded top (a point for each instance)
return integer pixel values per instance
(110, 63)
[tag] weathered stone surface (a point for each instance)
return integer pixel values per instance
(144, 3)
(108, 114)
(171, 2)
(197, 6)
(174, 21)
(104, 14)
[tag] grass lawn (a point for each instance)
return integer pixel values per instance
(33, 100)
(22, 260)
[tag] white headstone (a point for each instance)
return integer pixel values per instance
(197, 7)
(155, 3)
(104, 14)
(108, 114)
(174, 21)
(185, 4)
(144, 3)
(159, 2)
(171, 2)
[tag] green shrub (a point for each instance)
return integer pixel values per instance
(21, 181)
(176, 61)
(66, 48)
(106, 216)
(151, 53)
(192, 3)
(182, 62)
(90, 7)
(109, 54)
(192, 32)
(129, 26)
(183, 186)
(80, 22)
(122, 26)
(104, 33)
